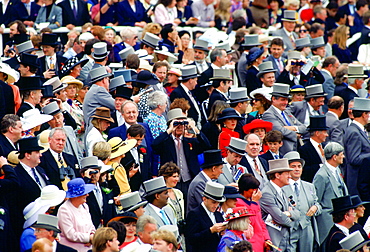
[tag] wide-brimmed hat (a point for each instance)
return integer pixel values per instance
(201, 45)
(13, 75)
(103, 113)
(265, 67)
(29, 60)
(90, 163)
(56, 84)
(123, 92)
(279, 165)
(214, 191)
(264, 91)
(237, 212)
(293, 156)
(150, 40)
(315, 91)
(356, 201)
(317, 42)
(43, 138)
(297, 89)
(48, 222)
(341, 204)
(32, 118)
(165, 52)
(132, 201)
(239, 94)
(353, 242)
(231, 192)
(144, 65)
(71, 63)
(51, 195)
(256, 124)
(317, 123)
(226, 46)
(49, 39)
(29, 144)
(32, 211)
(280, 90)
(221, 74)
(355, 71)
(70, 80)
(254, 54)
(175, 113)
(361, 104)
(129, 75)
(126, 52)
(289, 15)
(25, 47)
(51, 109)
(146, 77)
(212, 158)
(77, 188)
(120, 147)
(143, 54)
(155, 185)
(228, 113)
(116, 82)
(85, 36)
(30, 83)
(126, 217)
(188, 72)
(302, 42)
(237, 145)
(98, 74)
(175, 71)
(251, 40)
(100, 51)
(12, 158)
(294, 55)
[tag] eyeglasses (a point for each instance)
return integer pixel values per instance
(302, 30)
(298, 63)
(256, 100)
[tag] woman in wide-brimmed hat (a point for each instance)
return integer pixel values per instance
(261, 101)
(254, 59)
(32, 120)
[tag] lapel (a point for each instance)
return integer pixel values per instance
(362, 133)
(333, 182)
(153, 213)
(205, 216)
(227, 174)
(283, 204)
(122, 131)
(172, 148)
(27, 178)
(51, 160)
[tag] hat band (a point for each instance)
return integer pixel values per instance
(217, 198)
(157, 189)
(108, 117)
(91, 166)
(235, 149)
(115, 147)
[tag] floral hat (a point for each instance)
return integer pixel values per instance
(237, 212)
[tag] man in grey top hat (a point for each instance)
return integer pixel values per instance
(200, 54)
(221, 82)
(218, 58)
(100, 56)
(287, 31)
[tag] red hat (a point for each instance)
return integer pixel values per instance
(257, 123)
(237, 212)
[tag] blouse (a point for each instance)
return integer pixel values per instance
(229, 238)
(164, 15)
(157, 124)
(224, 139)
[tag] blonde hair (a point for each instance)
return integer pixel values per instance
(102, 150)
(40, 244)
(223, 11)
(166, 236)
(152, 28)
(340, 36)
(101, 237)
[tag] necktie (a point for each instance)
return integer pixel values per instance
(296, 189)
(178, 145)
(256, 167)
(292, 40)
(164, 217)
(35, 176)
(233, 169)
(74, 8)
(280, 65)
(99, 197)
(51, 63)
(276, 156)
(60, 160)
(286, 119)
(321, 150)
(295, 80)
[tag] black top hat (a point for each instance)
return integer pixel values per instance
(228, 113)
(127, 161)
(317, 123)
(29, 144)
(19, 38)
(49, 39)
(342, 204)
(212, 158)
(30, 83)
(47, 92)
(231, 192)
(356, 201)
(123, 92)
(146, 77)
(29, 60)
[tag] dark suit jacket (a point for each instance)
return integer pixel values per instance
(252, 82)
(244, 162)
(313, 161)
(268, 156)
(126, 16)
(199, 236)
(8, 16)
(205, 76)
(43, 66)
(82, 13)
(333, 239)
(6, 146)
(51, 168)
(179, 92)
(215, 96)
(345, 9)
(21, 13)
(347, 94)
(23, 108)
(239, 126)
(305, 80)
(274, 65)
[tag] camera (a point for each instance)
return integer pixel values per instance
(93, 172)
(177, 123)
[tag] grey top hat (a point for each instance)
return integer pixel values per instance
(251, 40)
(221, 74)
(361, 104)
(214, 191)
(294, 55)
(90, 163)
(48, 222)
(188, 72)
(132, 201)
(100, 50)
(237, 145)
(225, 46)
(126, 52)
(278, 165)
(289, 15)
(116, 82)
(155, 185)
(151, 40)
(265, 67)
(302, 42)
(355, 71)
(294, 156)
(315, 91)
(353, 242)
(280, 90)
(51, 109)
(98, 74)
(25, 47)
(317, 42)
(175, 113)
(56, 84)
(238, 95)
(201, 45)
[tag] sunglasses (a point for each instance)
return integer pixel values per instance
(256, 100)
(302, 30)
(298, 63)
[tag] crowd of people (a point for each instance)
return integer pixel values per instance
(250, 135)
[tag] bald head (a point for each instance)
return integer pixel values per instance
(336, 105)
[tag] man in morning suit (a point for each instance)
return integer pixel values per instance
(26, 11)
(11, 132)
(276, 56)
(239, 101)
(328, 70)
(75, 13)
(277, 211)
(304, 233)
(313, 151)
(283, 120)
(218, 60)
(122, 94)
(30, 89)
(287, 31)
(221, 82)
(329, 185)
(7, 12)
(207, 223)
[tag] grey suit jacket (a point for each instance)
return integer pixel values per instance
(226, 177)
(328, 85)
(335, 132)
(55, 17)
(242, 69)
(290, 137)
(196, 189)
(288, 44)
(327, 188)
(149, 210)
(273, 204)
(299, 110)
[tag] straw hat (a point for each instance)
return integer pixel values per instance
(120, 147)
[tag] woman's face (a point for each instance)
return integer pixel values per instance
(172, 4)
(75, 72)
(130, 229)
(71, 91)
(79, 200)
(109, 36)
(274, 5)
(257, 103)
(298, 97)
(230, 123)
(261, 132)
(104, 124)
(303, 32)
(172, 78)
(360, 211)
(82, 92)
(172, 181)
(185, 40)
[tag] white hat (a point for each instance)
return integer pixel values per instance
(32, 118)
(32, 211)
(51, 195)
(13, 76)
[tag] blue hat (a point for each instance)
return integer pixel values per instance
(146, 77)
(254, 54)
(228, 113)
(297, 88)
(77, 188)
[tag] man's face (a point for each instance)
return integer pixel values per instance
(42, 233)
(34, 158)
(192, 83)
(216, 171)
(13, 30)
(253, 146)
(58, 141)
(274, 146)
(280, 102)
(37, 94)
(62, 95)
(225, 86)
(145, 236)
(350, 106)
(316, 103)
(339, 158)
(130, 113)
(296, 67)
(17, 130)
(320, 51)
(48, 50)
(350, 217)
(297, 170)
(289, 26)
(23, 69)
(223, 58)
(276, 51)
(162, 246)
(118, 101)
(210, 204)
(149, 49)
(179, 129)
(114, 245)
(321, 135)
(162, 198)
(243, 107)
(199, 55)
(283, 178)
(57, 121)
(233, 158)
(268, 79)
(317, 34)
(333, 68)
(161, 73)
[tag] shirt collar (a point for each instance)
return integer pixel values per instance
(291, 182)
(310, 108)
(278, 110)
(277, 188)
(343, 229)
(353, 89)
(206, 176)
(156, 209)
(55, 155)
(359, 125)
(330, 167)
(314, 143)
(185, 88)
(326, 71)
(288, 33)
(207, 211)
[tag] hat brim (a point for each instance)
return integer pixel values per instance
(88, 188)
(316, 95)
(317, 46)
(61, 87)
(36, 148)
(124, 148)
(264, 125)
(76, 82)
(41, 119)
(109, 119)
(303, 46)
(266, 71)
(297, 90)
(237, 151)
(234, 196)
(342, 209)
(101, 77)
(301, 160)
(47, 227)
(149, 44)
(137, 206)
(289, 20)
(221, 78)
(158, 190)
(241, 216)
(355, 76)
(150, 82)
(182, 78)
(219, 120)
(33, 218)
(50, 44)
(119, 218)
(359, 246)
(317, 129)
(251, 45)
(99, 56)
(168, 54)
(201, 48)
(279, 170)
(82, 62)
(218, 199)
(240, 100)
(212, 164)
(280, 94)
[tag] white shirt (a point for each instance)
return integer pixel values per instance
(228, 165)
(309, 111)
(343, 229)
(30, 172)
(120, 119)
(251, 162)
(292, 182)
(326, 71)
(206, 176)
(353, 89)
(210, 214)
(55, 246)
(55, 155)
(316, 146)
(332, 169)
(54, 60)
(201, 66)
(290, 34)
(359, 125)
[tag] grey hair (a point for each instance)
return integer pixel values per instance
(331, 149)
(156, 98)
(54, 130)
(142, 221)
(216, 53)
(239, 13)
(238, 224)
(128, 33)
(127, 102)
